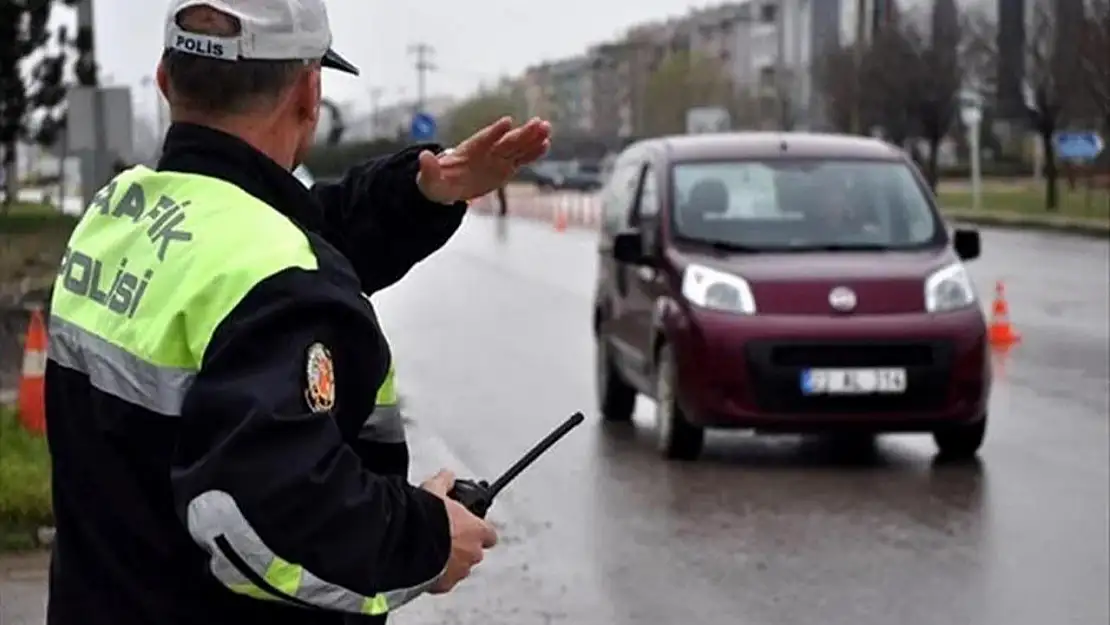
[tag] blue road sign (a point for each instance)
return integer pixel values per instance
(423, 127)
(1078, 146)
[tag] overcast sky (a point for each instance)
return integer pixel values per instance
(476, 41)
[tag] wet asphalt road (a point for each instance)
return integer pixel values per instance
(494, 348)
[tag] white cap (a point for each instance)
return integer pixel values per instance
(270, 30)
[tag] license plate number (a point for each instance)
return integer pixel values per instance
(853, 381)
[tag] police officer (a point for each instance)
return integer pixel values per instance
(213, 354)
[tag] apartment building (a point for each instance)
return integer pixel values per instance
(620, 72)
(767, 47)
(621, 69)
(538, 95)
(562, 91)
(572, 94)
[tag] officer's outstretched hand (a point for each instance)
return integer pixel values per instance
(470, 535)
(484, 162)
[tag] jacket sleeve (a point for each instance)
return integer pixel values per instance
(386, 223)
(261, 475)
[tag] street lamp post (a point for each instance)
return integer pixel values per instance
(971, 114)
(95, 164)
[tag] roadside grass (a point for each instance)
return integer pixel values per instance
(23, 218)
(1020, 203)
(25, 502)
(32, 239)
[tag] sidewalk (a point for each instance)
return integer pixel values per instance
(23, 589)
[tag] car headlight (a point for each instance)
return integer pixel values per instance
(717, 290)
(949, 288)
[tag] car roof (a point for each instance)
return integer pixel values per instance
(769, 145)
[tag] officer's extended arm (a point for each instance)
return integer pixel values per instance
(266, 485)
(387, 224)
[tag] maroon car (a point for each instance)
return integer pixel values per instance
(786, 283)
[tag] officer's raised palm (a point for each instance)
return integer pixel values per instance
(484, 162)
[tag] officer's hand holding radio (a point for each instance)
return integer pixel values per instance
(468, 501)
(470, 535)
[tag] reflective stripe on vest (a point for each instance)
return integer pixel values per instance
(385, 424)
(144, 283)
(387, 392)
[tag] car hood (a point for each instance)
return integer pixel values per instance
(800, 283)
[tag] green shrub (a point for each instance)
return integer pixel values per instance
(24, 483)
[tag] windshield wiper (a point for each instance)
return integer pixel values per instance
(725, 246)
(843, 247)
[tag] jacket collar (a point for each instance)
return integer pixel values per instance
(195, 149)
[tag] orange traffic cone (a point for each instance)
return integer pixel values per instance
(1002, 333)
(32, 383)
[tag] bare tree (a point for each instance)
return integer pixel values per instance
(483, 108)
(1053, 79)
(939, 60)
(1095, 50)
(893, 74)
(684, 81)
(874, 87)
(836, 77)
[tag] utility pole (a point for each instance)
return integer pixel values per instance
(423, 53)
(375, 111)
(96, 168)
(857, 50)
(784, 86)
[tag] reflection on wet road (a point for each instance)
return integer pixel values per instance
(494, 348)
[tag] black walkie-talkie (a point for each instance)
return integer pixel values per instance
(478, 496)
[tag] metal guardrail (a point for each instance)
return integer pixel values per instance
(15, 316)
(13, 328)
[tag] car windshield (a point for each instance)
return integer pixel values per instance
(800, 205)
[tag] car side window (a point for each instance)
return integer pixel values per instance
(647, 203)
(618, 196)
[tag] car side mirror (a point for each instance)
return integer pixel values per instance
(628, 247)
(967, 243)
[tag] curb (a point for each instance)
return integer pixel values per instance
(1015, 221)
(38, 539)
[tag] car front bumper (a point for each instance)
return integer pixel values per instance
(745, 372)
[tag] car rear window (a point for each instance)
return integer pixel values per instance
(803, 203)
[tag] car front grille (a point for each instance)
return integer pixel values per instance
(853, 355)
(776, 369)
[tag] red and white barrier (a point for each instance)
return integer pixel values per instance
(570, 208)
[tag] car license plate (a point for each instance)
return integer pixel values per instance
(853, 381)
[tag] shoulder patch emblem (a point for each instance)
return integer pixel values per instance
(319, 379)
